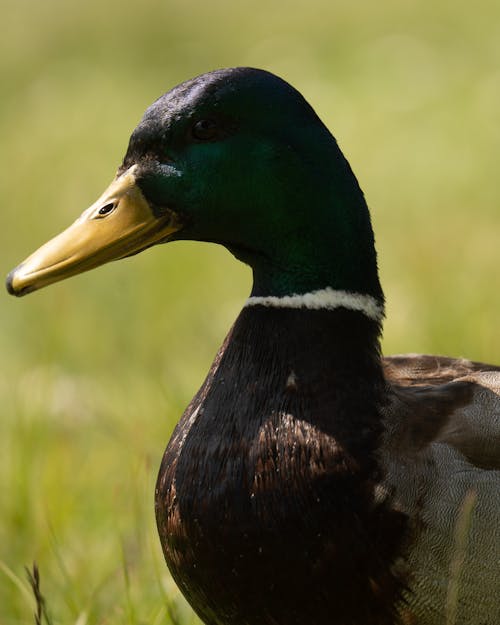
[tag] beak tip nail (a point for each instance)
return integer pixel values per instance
(9, 283)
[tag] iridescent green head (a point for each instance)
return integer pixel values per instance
(236, 157)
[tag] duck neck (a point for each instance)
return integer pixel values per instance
(322, 267)
(321, 235)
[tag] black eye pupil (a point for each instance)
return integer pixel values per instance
(106, 209)
(205, 129)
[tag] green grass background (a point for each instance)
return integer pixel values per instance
(95, 371)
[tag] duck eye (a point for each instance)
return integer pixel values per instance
(106, 209)
(205, 129)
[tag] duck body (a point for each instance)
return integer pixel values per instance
(333, 489)
(310, 480)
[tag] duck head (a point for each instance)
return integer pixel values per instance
(236, 157)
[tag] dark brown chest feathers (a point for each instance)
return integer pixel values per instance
(266, 500)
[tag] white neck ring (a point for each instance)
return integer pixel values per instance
(324, 299)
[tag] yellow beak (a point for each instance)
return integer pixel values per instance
(120, 223)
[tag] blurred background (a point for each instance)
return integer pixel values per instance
(95, 371)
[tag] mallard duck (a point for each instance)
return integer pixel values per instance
(309, 481)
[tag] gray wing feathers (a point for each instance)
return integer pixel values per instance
(442, 459)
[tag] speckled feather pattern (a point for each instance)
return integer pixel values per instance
(441, 455)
